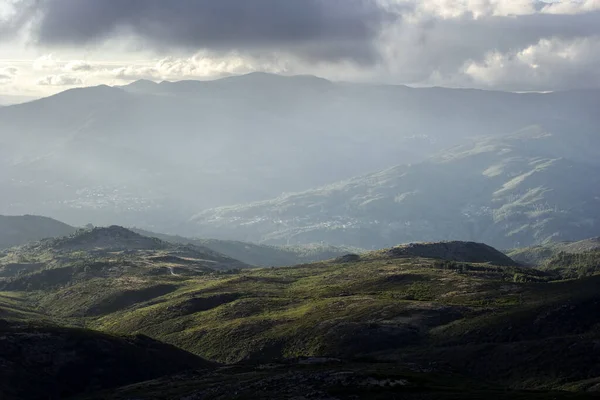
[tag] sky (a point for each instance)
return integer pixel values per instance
(47, 46)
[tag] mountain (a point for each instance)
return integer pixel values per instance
(516, 190)
(539, 255)
(49, 362)
(18, 230)
(258, 254)
(152, 154)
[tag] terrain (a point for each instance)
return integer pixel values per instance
(530, 187)
(424, 320)
(539, 255)
(48, 362)
(19, 230)
(152, 155)
(260, 254)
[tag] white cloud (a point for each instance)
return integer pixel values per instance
(549, 64)
(45, 62)
(7, 74)
(59, 80)
(78, 65)
(572, 7)
(475, 8)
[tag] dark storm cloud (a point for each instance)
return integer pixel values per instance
(320, 29)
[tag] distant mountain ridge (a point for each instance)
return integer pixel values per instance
(151, 155)
(538, 255)
(530, 187)
(260, 255)
(19, 230)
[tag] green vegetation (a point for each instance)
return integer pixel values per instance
(260, 254)
(540, 255)
(448, 318)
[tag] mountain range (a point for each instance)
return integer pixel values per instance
(153, 155)
(534, 186)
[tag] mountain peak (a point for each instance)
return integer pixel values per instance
(266, 77)
(141, 85)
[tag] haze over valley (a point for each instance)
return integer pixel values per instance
(161, 156)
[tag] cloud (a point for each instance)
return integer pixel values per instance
(472, 43)
(550, 64)
(572, 7)
(78, 65)
(315, 29)
(10, 71)
(59, 80)
(7, 74)
(45, 62)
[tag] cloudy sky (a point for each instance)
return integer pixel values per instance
(51, 45)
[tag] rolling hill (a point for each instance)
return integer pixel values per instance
(419, 316)
(530, 187)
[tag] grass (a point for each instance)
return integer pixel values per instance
(373, 305)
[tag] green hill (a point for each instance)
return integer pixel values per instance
(446, 319)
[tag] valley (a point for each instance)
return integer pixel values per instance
(296, 160)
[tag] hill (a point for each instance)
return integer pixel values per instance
(151, 155)
(452, 251)
(539, 255)
(420, 314)
(113, 259)
(46, 362)
(258, 254)
(517, 190)
(19, 230)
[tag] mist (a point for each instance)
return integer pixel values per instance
(154, 155)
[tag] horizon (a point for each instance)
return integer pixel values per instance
(506, 45)
(27, 99)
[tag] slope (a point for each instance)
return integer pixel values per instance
(19, 230)
(150, 155)
(258, 254)
(52, 363)
(512, 191)
(537, 330)
(539, 255)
